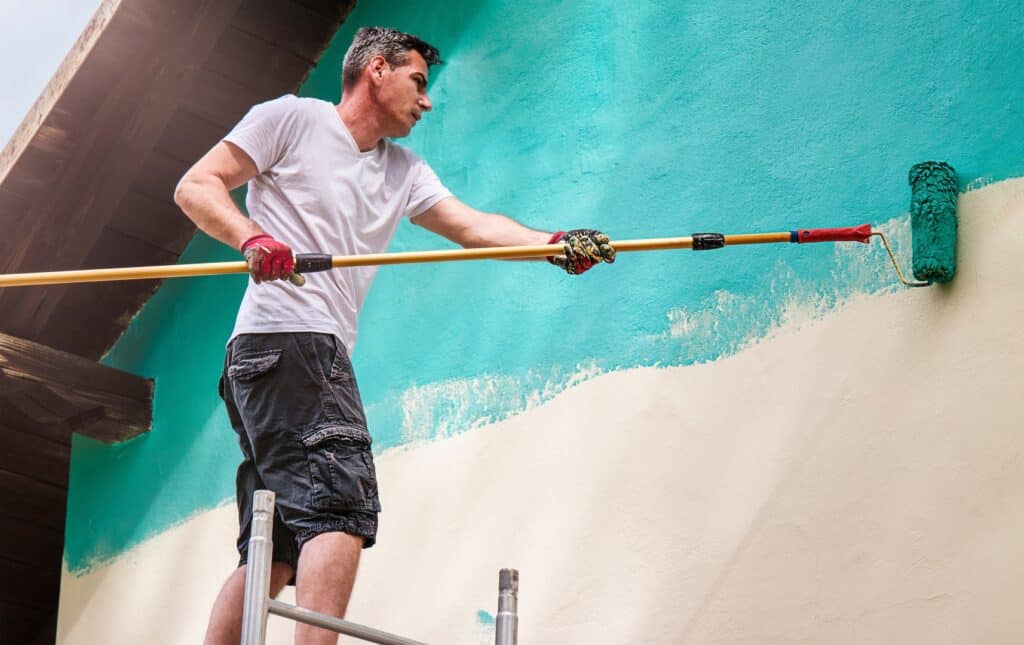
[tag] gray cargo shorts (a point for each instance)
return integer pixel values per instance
(292, 400)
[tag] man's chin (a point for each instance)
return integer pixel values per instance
(400, 133)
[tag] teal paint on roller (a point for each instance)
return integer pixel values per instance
(933, 186)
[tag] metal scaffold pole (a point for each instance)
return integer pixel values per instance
(257, 574)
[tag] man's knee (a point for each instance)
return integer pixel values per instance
(281, 573)
(332, 543)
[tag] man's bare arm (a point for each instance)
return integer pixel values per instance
(204, 194)
(471, 228)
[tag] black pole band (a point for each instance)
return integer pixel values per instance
(708, 241)
(312, 262)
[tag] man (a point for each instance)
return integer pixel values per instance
(324, 178)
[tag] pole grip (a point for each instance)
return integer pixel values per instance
(312, 262)
(707, 241)
(860, 233)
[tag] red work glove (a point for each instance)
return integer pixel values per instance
(584, 248)
(268, 259)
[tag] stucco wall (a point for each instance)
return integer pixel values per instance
(767, 444)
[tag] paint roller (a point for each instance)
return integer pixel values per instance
(933, 225)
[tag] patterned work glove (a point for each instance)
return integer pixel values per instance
(269, 259)
(584, 248)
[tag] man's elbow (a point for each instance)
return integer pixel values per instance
(181, 192)
(186, 192)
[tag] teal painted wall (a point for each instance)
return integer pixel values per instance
(647, 119)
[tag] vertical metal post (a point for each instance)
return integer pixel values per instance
(257, 573)
(506, 628)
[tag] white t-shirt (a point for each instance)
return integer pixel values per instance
(318, 193)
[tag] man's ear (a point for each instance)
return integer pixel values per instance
(376, 67)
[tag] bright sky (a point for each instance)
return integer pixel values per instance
(34, 37)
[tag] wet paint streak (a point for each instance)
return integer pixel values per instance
(485, 624)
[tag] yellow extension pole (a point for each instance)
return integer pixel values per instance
(413, 257)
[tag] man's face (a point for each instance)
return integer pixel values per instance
(402, 94)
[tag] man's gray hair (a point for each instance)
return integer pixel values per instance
(392, 44)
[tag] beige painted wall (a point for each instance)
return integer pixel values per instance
(857, 478)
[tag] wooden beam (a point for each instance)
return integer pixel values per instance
(14, 420)
(86, 332)
(47, 631)
(35, 586)
(264, 69)
(43, 404)
(34, 455)
(28, 499)
(290, 26)
(158, 221)
(29, 543)
(20, 624)
(126, 400)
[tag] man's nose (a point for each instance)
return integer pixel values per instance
(425, 103)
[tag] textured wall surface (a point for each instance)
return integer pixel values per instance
(750, 445)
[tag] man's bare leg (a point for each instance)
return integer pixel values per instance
(226, 618)
(327, 571)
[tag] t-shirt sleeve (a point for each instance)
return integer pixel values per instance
(262, 132)
(426, 191)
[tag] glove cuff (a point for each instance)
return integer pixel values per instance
(556, 237)
(252, 240)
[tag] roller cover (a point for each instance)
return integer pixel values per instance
(933, 195)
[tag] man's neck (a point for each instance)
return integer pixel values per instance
(361, 120)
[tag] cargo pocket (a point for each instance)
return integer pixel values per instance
(249, 367)
(342, 403)
(341, 470)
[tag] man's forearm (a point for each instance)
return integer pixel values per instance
(208, 203)
(498, 230)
